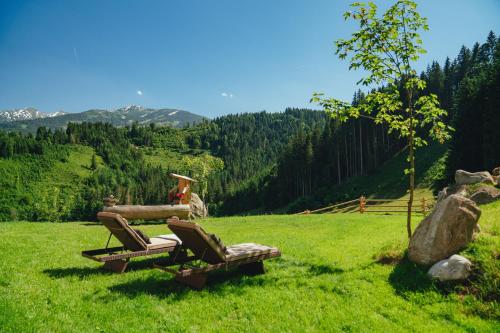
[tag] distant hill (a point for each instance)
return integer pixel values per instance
(26, 114)
(29, 121)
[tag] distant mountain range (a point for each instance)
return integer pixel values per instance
(29, 119)
(26, 114)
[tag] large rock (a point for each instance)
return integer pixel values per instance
(496, 172)
(452, 189)
(485, 194)
(446, 230)
(454, 268)
(198, 208)
(465, 178)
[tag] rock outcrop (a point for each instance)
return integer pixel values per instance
(445, 231)
(198, 208)
(496, 172)
(485, 194)
(452, 189)
(455, 267)
(466, 178)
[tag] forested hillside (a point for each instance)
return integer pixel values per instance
(133, 162)
(318, 160)
(475, 108)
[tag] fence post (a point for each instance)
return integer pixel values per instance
(362, 203)
(424, 207)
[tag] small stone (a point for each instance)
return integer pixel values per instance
(455, 267)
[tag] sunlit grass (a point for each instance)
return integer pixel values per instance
(328, 279)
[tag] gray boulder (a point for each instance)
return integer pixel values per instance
(197, 206)
(452, 189)
(496, 172)
(485, 194)
(463, 177)
(445, 231)
(455, 267)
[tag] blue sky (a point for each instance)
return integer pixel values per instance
(208, 57)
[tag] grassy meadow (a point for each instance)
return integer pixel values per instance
(337, 273)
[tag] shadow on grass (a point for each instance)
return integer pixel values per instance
(324, 269)
(407, 277)
(312, 268)
(220, 283)
(82, 272)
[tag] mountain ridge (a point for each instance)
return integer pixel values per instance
(29, 119)
(26, 113)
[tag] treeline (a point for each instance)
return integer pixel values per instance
(249, 144)
(473, 84)
(314, 160)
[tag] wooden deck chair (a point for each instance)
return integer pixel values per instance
(116, 258)
(211, 255)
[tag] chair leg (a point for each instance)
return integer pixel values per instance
(117, 266)
(196, 281)
(253, 268)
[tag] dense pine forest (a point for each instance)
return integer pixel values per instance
(253, 161)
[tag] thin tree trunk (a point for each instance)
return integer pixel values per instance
(338, 161)
(412, 165)
(346, 156)
(360, 150)
(354, 145)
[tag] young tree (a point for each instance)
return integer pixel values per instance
(93, 162)
(385, 48)
(201, 167)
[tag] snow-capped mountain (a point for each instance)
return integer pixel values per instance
(131, 108)
(29, 119)
(26, 114)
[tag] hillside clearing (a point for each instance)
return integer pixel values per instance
(328, 279)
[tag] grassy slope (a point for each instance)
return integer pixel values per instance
(38, 182)
(326, 280)
(167, 159)
(389, 181)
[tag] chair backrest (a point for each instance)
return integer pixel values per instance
(197, 240)
(119, 227)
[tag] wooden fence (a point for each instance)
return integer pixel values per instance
(371, 205)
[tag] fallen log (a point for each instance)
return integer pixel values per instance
(150, 212)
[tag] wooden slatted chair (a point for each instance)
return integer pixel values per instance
(211, 256)
(116, 258)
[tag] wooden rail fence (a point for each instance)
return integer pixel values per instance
(371, 205)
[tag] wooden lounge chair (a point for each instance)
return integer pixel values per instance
(116, 258)
(210, 255)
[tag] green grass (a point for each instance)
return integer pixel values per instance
(168, 159)
(328, 279)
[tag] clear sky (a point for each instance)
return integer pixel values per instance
(209, 57)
